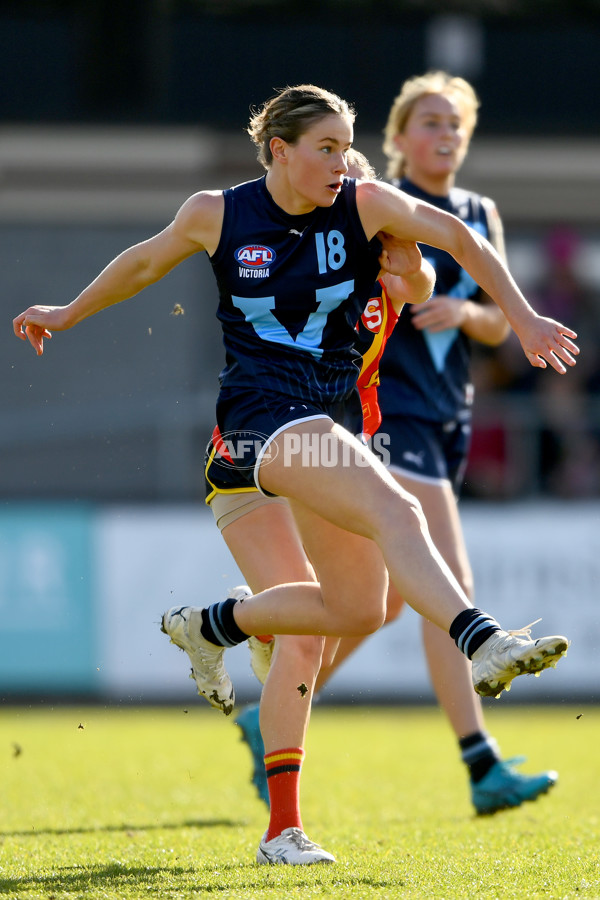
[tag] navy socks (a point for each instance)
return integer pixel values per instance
(471, 628)
(479, 752)
(219, 627)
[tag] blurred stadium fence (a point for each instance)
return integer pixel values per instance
(82, 591)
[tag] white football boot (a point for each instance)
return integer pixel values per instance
(182, 624)
(507, 654)
(291, 848)
(260, 657)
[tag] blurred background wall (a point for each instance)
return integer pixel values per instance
(110, 116)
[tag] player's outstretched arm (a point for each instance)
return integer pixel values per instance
(384, 208)
(195, 227)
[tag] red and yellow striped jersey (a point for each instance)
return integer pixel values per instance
(375, 326)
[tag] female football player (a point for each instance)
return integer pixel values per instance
(255, 527)
(294, 258)
(426, 397)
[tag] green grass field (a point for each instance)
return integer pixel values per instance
(130, 803)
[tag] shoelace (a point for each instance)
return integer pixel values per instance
(525, 631)
(302, 842)
(515, 760)
(213, 662)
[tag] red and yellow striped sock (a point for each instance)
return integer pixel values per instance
(283, 778)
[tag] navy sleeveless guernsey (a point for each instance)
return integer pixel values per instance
(427, 375)
(291, 289)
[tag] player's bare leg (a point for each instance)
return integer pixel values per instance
(359, 496)
(267, 549)
(495, 784)
(265, 544)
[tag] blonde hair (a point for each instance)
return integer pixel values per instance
(412, 90)
(290, 113)
(357, 160)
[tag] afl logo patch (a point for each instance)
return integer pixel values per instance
(254, 256)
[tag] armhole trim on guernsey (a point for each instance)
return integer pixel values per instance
(220, 248)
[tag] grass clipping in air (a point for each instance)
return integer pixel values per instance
(132, 803)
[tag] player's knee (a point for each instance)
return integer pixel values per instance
(366, 620)
(302, 650)
(403, 513)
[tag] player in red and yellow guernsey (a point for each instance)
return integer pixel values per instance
(374, 328)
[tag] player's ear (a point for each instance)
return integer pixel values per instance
(399, 142)
(278, 148)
